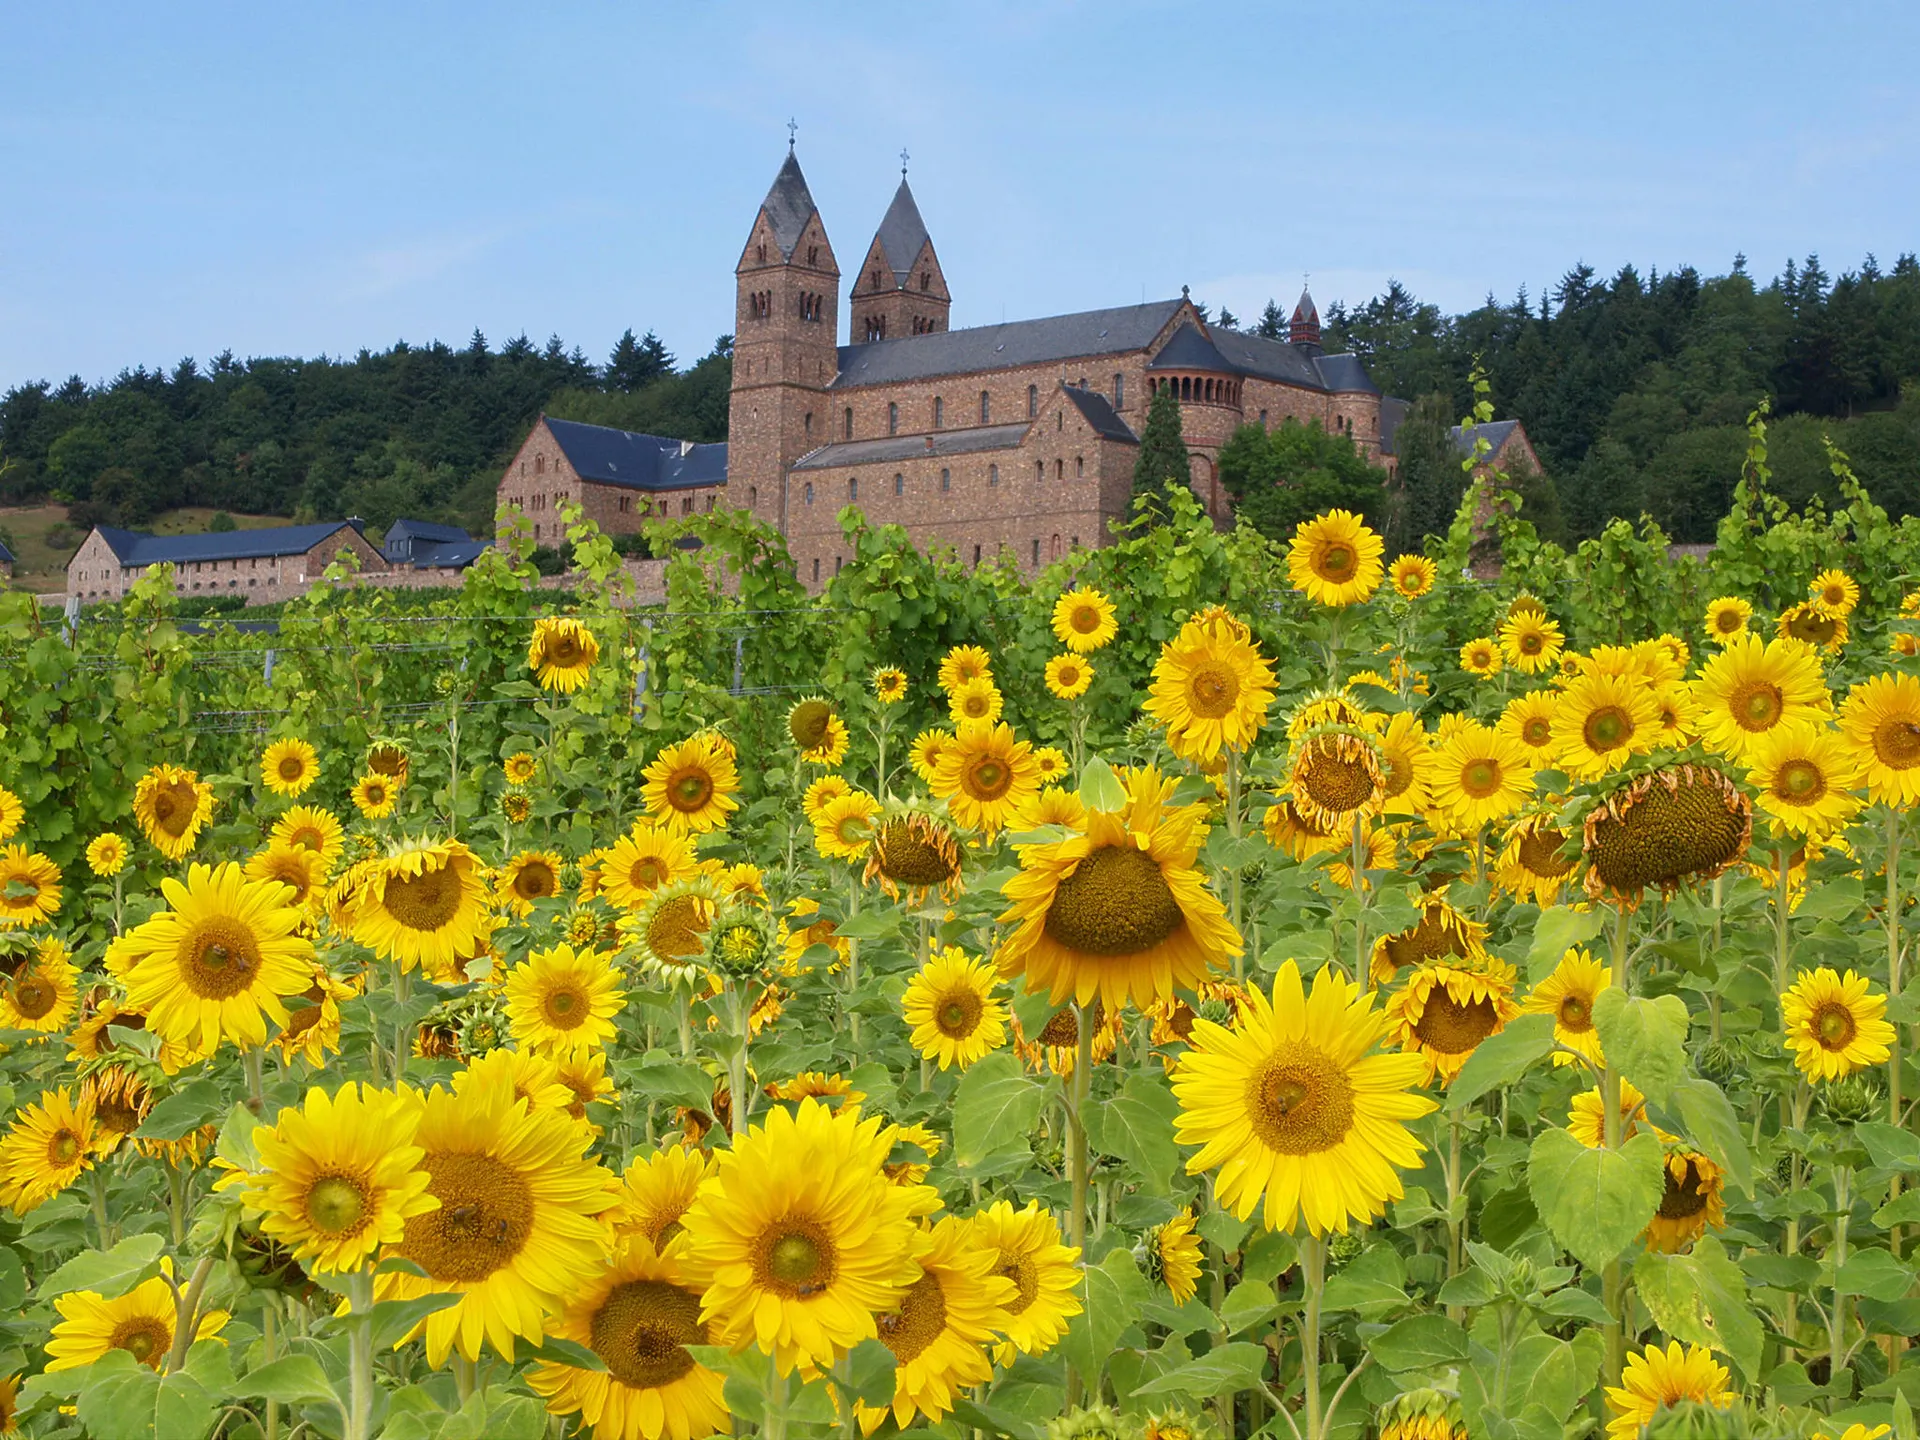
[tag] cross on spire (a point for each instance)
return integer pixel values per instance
(903, 162)
(793, 127)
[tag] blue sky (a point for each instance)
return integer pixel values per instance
(175, 180)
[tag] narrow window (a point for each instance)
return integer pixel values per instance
(1036, 550)
(1053, 551)
(853, 488)
(849, 434)
(993, 474)
(946, 479)
(1059, 470)
(539, 464)
(1039, 470)
(893, 417)
(1079, 466)
(809, 494)
(712, 498)
(753, 495)
(813, 254)
(1263, 417)
(1119, 391)
(809, 424)
(926, 279)
(986, 408)
(816, 569)
(1033, 401)
(836, 564)
(686, 505)
(899, 483)
(939, 412)
(976, 554)
(1076, 542)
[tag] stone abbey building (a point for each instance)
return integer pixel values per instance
(1018, 437)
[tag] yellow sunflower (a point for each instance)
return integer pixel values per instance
(1880, 719)
(638, 1315)
(658, 1190)
(1055, 1047)
(1292, 1110)
(106, 854)
(1753, 686)
(1335, 559)
(311, 828)
(313, 1021)
(1083, 620)
(1121, 911)
(1813, 624)
(1533, 863)
(641, 861)
(1693, 1200)
(374, 796)
(1679, 715)
(171, 806)
(690, 787)
(1480, 776)
(517, 1231)
(561, 653)
(817, 731)
(1174, 1256)
(1726, 619)
(1335, 776)
(1068, 676)
(820, 792)
(424, 904)
(1406, 765)
(1211, 690)
(561, 1000)
(51, 1143)
(1601, 721)
(985, 776)
(1051, 762)
(12, 812)
(1835, 591)
(1586, 1120)
(1529, 719)
(669, 931)
(1381, 852)
(297, 869)
(1480, 657)
(1446, 1009)
(1530, 642)
(940, 1328)
(798, 1241)
(975, 701)
(1412, 575)
(140, 1322)
(42, 993)
(1805, 774)
(925, 752)
(220, 961)
(529, 877)
(1441, 931)
(889, 685)
(1293, 833)
(1052, 805)
(1654, 1379)
(963, 663)
(844, 829)
(1044, 1272)
(951, 1009)
(1834, 1024)
(1568, 994)
(914, 853)
(289, 767)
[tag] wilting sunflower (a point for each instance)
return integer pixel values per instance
(1292, 833)
(1174, 1257)
(1068, 676)
(1880, 719)
(1447, 1008)
(1694, 1200)
(1480, 657)
(1441, 932)
(313, 1018)
(817, 731)
(338, 1178)
(914, 853)
(171, 806)
(1835, 590)
(1480, 777)
(1055, 1047)
(1044, 1272)
(561, 1000)
(289, 767)
(799, 1240)
(106, 854)
(963, 663)
(1412, 575)
(51, 1143)
(1211, 691)
(843, 830)
(1533, 863)
(140, 1322)
(311, 828)
(12, 812)
(1335, 776)
(690, 786)
(42, 993)
(1726, 619)
(638, 1315)
(529, 877)
(220, 961)
(1834, 1024)
(889, 685)
(561, 653)
(518, 1230)
(985, 775)
(669, 931)
(952, 1011)
(423, 904)
(374, 796)
(1680, 821)
(1654, 1379)
(1530, 642)
(1293, 1110)
(1601, 721)
(1753, 686)
(1121, 911)
(1083, 620)
(1805, 774)
(657, 1191)
(940, 1328)
(975, 701)
(1335, 559)
(641, 861)
(1813, 624)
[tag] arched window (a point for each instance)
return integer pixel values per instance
(1079, 466)
(808, 500)
(893, 417)
(1119, 391)
(1033, 401)
(926, 279)
(939, 412)
(816, 569)
(763, 254)
(1036, 550)
(809, 424)
(993, 474)
(539, 464)
(813, 254)
(986, 408)
(1059, 470)
(1053, 552)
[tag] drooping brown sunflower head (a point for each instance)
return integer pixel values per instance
(1681, 821)
(1442, 932)
(809, 722)
(384, 757)
(915, 852)
(1336, 775)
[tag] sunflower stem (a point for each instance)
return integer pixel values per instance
(359, 1355)
(1613, 1290)
(775, 1426)
(270, 1348)
(737, 1066)
(102, 1227)
(1456, 1228)
(1235, 904)
(1313, 1264)
(188, 1309)
(1837, 1316)
(256, 1090)
(1782, 912)
(1077, 1159)
(1894, 1106)
(402, 993)
(853, 962)
(1361, 970)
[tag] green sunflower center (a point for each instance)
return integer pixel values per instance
(1115, 902)
(1607, 728)
(565, 1008)
(1834, 1025)
(809, 723)
(1480, 777)
(797, 1259)
(1336, 562)
(1800, 782)
(1757, 706)
(336, 1204)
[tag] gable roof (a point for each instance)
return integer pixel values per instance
(1495, 432)
(1100, 414)
(1189, 350)
(789, 205)
(137, 547)
(1002, 347)
(914, 447)
(636, 461)
(457, 555)
(902, 233)
(425, 530)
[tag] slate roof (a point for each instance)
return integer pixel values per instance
(635, 461)
(1495, 432)
(425, 530)
(848, 453)
(902, 233)
(1344, 373)
(789, 205)
(1240, 353)
(6, 555)
(456, 556)
(1001, 347)
(1101, 415)
(136, 547)
(1189, 350)
(1392, 411)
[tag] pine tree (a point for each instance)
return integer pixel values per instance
(1162, 463)
(636, 364)
(1272, 324)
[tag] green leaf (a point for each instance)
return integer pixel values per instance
(1645, 1039)
(1595, 1201)
(1271, 1253)
(1116, 1293)
(1903, 1209)
(1838, 897)
(1710, 1122)
(186, 1110)
(1420, 1342)
(1100, 787)
(670, 1083)
(1501, 1059)
(1668, 1287)
(1247, 1306)
(111, 1273)
(1225, 1229)
(1575, 1303)
(392, 1319)
(994, 1108)
(291, 1380)
(1136, 1126)
(1875, 1273)
(1701, 1298)
(1889, 1146)
(1557, 931)
(123, 1400)
(870, 1373)
(993, 1421)
(557, 1351)
(1364, 1293)
(1223, 1370)
(13, 1280)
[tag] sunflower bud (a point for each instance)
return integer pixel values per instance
(1717, 1061)
(1423, 1415)
(1849, 1101)
(1097, 1423)
(1691, 1420)
(1343, 1248)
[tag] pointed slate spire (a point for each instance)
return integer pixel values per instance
(902, 233)
(789, 205)
(1305, 326)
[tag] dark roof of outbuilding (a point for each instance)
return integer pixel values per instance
(1101, 415)
(638, 462)
(1001, 347)
(789, 205)
(6, 555)
(425, 530)
(1495, 432)
(846, 453)
(1190, 350)
(136, 547)
(902, 233)
(453, 556)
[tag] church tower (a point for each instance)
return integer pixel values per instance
(900, 289)
(1304, 328)
(785, 345)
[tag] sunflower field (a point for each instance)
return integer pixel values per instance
(1210, 989)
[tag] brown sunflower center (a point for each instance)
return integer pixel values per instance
(642, 1330)
(1021, 1270)
(1536, 732)
(795, 1258)
(1833, 593)
(337, 1204)
(34, 995)
(1336, 562)
(1532, 642)
(566, 1007)
(1336, 782)
(1728, 621)
(676, 927)
(1540, 853)
(1434, 935)
(1480, 777)
(1684, 1197)
(423, 902)
(987, 777)
(1757, 706)
(689, 789)
(1212, 689)
(1450, 1027)
(1115, 902)
(1396, 774)
(219, 958)
(958, 1014)
(1575, 1014)
(1607, 728)
(174, 805)
(1799, 782)
(1068, 675)
(977, 705)
(486, 1214)
(292, 767)
(1062, 1030)
(535, 880)
(912, 855)
(1813, 627)
(308, 837)
(918, 1322)
(1085, 619)
(387, 760)
(1298, 1101)
(1896, 743)
(809, 723)
(561, 649)
(375, 793)
(64, 1148)
(145, 1337)
(1834, 1025)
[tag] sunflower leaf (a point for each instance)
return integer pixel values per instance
(1555, 932)
(1595, 1200)
(1501, 1059)
(1419, 1342)
(993, 1109)
(182, 1112)
(1223, 1370)
(1645, 1039)
(109, 1273)
(1100, 787)
(1709, 1120)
